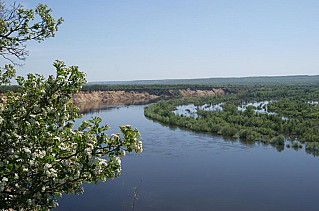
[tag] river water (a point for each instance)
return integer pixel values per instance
(183, 170)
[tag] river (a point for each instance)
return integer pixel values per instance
(183, 170)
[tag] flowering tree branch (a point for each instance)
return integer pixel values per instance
(42, 154)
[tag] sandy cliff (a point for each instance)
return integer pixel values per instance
(124, 98)
(198, 93)
(112, 97)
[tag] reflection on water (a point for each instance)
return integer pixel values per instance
(97, 107)
(94, 108)
(183, 170)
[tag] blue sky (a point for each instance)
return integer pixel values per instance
(164, 39)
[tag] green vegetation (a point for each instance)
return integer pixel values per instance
(293, 114)
(7, 88)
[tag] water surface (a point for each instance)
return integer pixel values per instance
(183, 170)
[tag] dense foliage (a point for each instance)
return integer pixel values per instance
(292, 113)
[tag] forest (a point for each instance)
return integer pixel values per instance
(280, 115)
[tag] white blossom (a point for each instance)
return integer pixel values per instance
(117, 160)
(27, 150)
(138, 147)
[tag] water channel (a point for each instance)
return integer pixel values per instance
(183, 170)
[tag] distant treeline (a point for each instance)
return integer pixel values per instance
(13, 88)
(161, 87)
(172, 90)
(222, 81)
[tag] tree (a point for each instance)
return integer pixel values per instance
(42, 154)
(18, 25)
